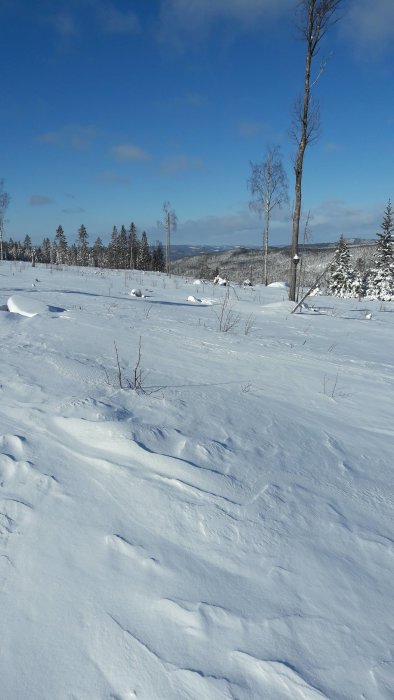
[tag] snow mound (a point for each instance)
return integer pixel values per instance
(279, 307)
(193, 299)
(281, 285)
(26, 306)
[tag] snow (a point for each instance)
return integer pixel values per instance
(225, 531)
(29, 306)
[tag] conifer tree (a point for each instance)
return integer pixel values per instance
(98, 253)
(113, 249)
(144, 256)
(342, 275)
(82, 246)
(46, 250)
(158, 259)
(60, 247)
(73, 255)
(380, 280)
(27, 247)
(133, 246)
(123, 248)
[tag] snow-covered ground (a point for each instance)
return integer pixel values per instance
(226, 531)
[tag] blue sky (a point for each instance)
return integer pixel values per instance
(109, 109)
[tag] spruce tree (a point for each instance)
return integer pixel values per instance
(158, 260)
(123, 248)
(82, 246)
(342, 276)
(46, 250)
(133, 246)
(60, 246)
(98, 253)
(380, 281)
(144, 256)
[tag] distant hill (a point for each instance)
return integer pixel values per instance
(240, 263)
(188, 251)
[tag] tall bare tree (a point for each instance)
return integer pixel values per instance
(4, 202)
(315, 18)
(170, 223)
(268, 187)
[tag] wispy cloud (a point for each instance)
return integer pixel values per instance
(74, 137)
(181, 164)
(64, 24)
(115, 21)
(39, 200)
(328, 220)
(109, 176)
(195, 16)
(370, 24)
(249, 129)
(128, 151)
(333, 217)
(75, 210)
(332, 147)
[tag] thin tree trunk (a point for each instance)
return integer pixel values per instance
(267, 223)
(305, 128)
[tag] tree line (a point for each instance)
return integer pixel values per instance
(125, 250)
(375, 282)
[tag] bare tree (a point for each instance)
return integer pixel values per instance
(170, 223)
(315, 19)
(4, 202)
(268, 187)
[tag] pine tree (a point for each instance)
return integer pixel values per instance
(46, 251)
(98, 253)
(27, 247)
(113, 249)
(158, 260)
(342, 278)
(123, 248)
(73, 255)
(60, 246)
(144, 256)
(82, 246)
(133, 246)
(380, 281)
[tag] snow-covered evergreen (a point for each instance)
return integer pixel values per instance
(343, 280)
(380, 279)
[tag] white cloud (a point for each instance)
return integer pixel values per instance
(110, 176)
(370, 23)
(190, 13)
(38, 200)
(332, 147)
(76, 210)
(64, 24)
(249, 129)
(73, 136)
(128, 151)
(192, 18)
(180, 164)
(115, 21)
(328, 220)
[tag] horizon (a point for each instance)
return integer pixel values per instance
(112, 108)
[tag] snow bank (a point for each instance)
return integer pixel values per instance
(281, 285)
(28, 306)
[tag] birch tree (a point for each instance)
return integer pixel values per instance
(268, 187)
